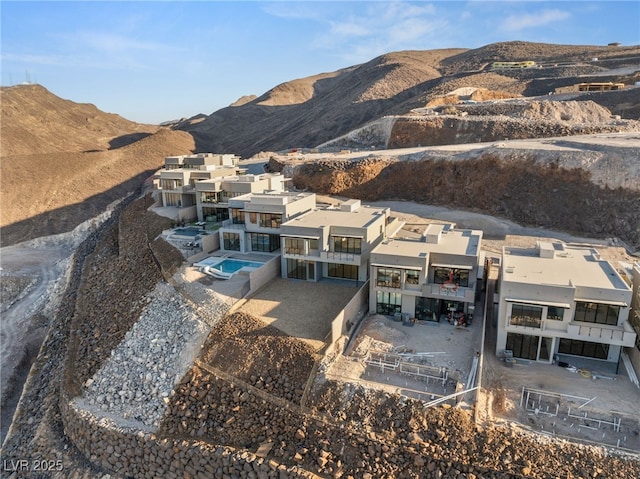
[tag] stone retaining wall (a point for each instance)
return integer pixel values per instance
(138, 454)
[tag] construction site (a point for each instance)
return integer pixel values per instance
(392, 398)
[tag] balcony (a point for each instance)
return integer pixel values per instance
(300, 253)
(623, 335)
(345, 258)
(441, 291)
(230, 225)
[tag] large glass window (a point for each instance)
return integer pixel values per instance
(168, 184)
(427, 309)
(555, 313)
(597, 313)
(210, 197)
(451, 275)
(526, 315)
(237, 216)
(583, 348)
(346, 271)
(297, 269)
(231, 241)
(388, 278)
(270, 220)
(215, 214)
(264, 242)
(523, 345)
(343, 244)
(412, 277)
(294, 245)
(388, 303)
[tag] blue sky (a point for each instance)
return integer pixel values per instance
(152, 61)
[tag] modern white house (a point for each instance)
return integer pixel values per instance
(213, 194)
(256, 218)
(176, 181)
(430, 278)
(561, 300)
(332, 242)
(634, 317)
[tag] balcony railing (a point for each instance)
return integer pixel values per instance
(229, 224)
(466, 294)
(346, 258)
(623, 335)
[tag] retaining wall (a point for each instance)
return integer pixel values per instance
(144, 455)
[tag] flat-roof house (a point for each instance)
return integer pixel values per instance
(428, 278)
(557, 299)
(177, 186)
(634, 317)
(201, 161)
(213, 194)
(176, 181)
(332, 242)
(256, 218)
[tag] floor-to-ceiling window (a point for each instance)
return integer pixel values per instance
(270, 220)
(388, 303)
(388, 278)
(427, 309)
(264, 242)
(526, 346)
(451, 276)
(231, 241)
(523, 346)
(346, 244)
(300, 269)
(597, 313)
(583, 348)
(345, 271)
(215, 214)
(526, 315)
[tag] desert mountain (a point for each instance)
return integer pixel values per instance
(64, 162)
(34, 120)
(62, 154)
(309, 111)
(52, 193)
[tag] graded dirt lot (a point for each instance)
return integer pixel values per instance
(300, 308)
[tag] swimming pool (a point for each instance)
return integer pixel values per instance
(227, 265)
(191, 232)
(233, 265)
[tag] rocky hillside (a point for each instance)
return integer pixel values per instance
(452, 123)
(585, 185)
(64, 162)
(35, 121)
(50, 193)
(309, 111)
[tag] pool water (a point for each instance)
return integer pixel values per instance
(187, 232)
(233, 265)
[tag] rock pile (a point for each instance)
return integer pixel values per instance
(260, 355)
(352, 432)
(137, 380)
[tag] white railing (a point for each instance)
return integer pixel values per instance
(450, 292)
(621, 335)
(349, 258)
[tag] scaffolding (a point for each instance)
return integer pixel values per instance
(388, 361)
(566, 406)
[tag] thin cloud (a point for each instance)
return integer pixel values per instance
(110, 42)
(531, 20)
(359, 34)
